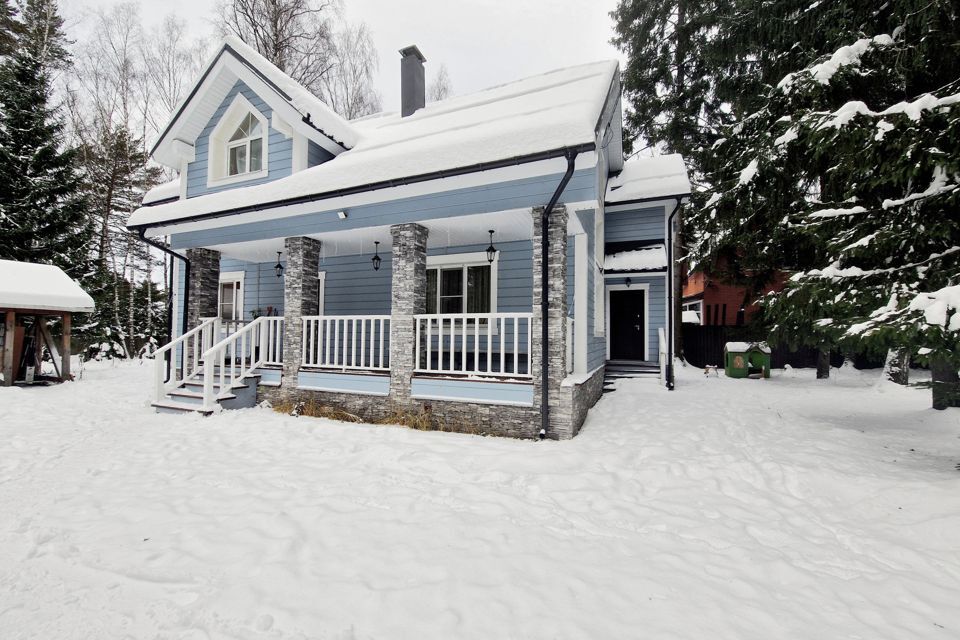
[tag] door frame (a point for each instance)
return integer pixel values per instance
(634, 286)
(232, 276)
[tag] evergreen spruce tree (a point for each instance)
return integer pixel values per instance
(669, 79)
(847, 175)
(42, 209)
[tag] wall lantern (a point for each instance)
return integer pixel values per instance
(491, 250)
(376, 256)
(278, 268)
(628, 282)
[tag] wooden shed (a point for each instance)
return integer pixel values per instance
(30, 294)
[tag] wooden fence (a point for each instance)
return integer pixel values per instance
(703, 345)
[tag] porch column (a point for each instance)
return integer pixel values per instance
(560, 426)
(301, 290)
(408, 293)
(204, 285)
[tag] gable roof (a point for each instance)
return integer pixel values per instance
(649, 179)
(235, 60)
(26, 285)
(543, 114)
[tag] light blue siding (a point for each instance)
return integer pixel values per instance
(261, 287)
(316, 154)
(508, 393)
(374, 385)
(270, 376)
(512, 194)
(656, 308)
(352, 287)
(640, 224)
(279, 154)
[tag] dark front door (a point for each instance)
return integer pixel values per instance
(628, 331)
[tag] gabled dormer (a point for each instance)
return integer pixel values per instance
(244, 123)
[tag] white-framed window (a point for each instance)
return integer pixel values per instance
(238, 146)
(245, 147)
(462, 283)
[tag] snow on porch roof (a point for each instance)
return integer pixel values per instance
(652, 258)
(25, 285)
(543, 113)
(649, 178)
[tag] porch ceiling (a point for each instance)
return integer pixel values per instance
(509, 226)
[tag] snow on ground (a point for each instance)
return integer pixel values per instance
(784, 508)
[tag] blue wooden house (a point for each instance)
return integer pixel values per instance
(486, 259)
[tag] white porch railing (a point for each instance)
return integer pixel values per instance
(474, 344)
(238, 355)
(347, 342)
(194, 343)
(270, 340)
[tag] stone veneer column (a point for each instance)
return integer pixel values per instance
(204, 285)
(300, 298)
(560, 424)
(408, 293)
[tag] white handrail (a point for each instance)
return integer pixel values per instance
(357, 343)
(195, 342)
(235, 357)
(474, 344)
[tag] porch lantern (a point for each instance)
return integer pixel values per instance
(278, 268)
(491, 250)
(376, 260)
(628, 282)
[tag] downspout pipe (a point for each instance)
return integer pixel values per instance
(186, 289)
(671, 329)
(571, 155)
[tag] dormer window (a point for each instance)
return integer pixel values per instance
(245, 148)
(239, 145)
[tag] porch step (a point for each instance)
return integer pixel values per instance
(171, 406)
(627, 369)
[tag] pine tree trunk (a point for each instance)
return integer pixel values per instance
(897, 367)
(946, 383)
(823, 364)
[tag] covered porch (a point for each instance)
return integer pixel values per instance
(416, 313)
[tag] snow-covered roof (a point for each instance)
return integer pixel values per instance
(25, 285)
(651, 258)
(299, 96)
(292, 102)
(648, 178)
(165, 191)
(547, 112)
(746, 346)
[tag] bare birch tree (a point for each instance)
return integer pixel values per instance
(440, 86)
(348, 87)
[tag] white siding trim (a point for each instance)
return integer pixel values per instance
(580, 302)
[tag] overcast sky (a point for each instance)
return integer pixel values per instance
(482, 42)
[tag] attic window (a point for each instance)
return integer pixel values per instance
(245, 148)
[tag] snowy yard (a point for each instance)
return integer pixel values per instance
(784, 508)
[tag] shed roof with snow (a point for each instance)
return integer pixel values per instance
(41, 287)
(649, 179)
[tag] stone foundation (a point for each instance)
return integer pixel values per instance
(575, 401)
(457, 417)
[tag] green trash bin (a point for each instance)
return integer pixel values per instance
(746, 360)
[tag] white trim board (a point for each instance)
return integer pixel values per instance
(232, 276)
(645, 286)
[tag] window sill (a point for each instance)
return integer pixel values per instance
(242, 177)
